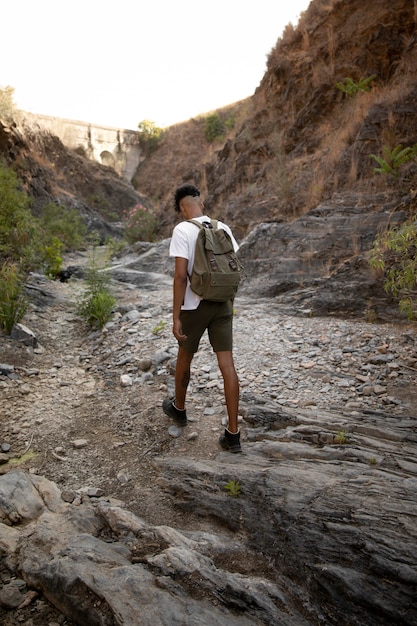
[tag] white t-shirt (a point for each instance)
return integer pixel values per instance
(183, 242)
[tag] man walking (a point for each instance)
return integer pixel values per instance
(192, 316)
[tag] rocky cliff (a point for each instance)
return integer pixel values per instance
(296, 179)
(299, 140)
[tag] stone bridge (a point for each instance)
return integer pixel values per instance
(118, 148)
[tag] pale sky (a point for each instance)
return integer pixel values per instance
(119, 62)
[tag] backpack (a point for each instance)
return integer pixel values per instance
(216, 271)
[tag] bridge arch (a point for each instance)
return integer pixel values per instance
(115, 147)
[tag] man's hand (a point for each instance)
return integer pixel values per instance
(177, 330)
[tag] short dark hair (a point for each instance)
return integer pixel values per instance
(182, 192)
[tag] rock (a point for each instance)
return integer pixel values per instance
(126, 380)
(132, 316)
(79, 443)
(144, 364)
(328, 531)
(175, 431)
(11, 596)
(123, 477)
(68, 495)
(24, 335)
(96, 580)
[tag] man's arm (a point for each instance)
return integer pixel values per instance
(180, 284)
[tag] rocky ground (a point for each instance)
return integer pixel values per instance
(83, 408)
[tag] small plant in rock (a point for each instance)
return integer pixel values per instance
(13, 304)
(395, 255)
(159, 327)
(371, 315)
(233, 488)
(97, 303)
(341, 438)
(372, 460)
(140, 224)
(350, 87)
(392, 160)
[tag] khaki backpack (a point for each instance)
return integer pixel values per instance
(216, 271)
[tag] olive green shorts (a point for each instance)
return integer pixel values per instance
(216, 318)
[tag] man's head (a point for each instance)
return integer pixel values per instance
(182, 192)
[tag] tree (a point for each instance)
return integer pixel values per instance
(214, 127)
(149, 135)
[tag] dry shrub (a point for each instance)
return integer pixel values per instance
(322, 71)
(354, 168)
(332, 49)
(305, 39)
(388, 132)
(317, 186)
(289, 35)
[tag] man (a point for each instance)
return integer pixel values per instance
(192, 316)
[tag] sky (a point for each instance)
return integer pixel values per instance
(119, 62)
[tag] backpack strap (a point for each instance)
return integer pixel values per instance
(204, 224)
(207, 225)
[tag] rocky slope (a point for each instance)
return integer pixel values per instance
(294, 176)
(51, 173)
(322, 530)
(100, 491)
(299, 139)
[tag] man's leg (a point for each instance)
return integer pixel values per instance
(231, 387)
(182, 377)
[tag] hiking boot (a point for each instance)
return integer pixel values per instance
(179, 417)
(230, 441)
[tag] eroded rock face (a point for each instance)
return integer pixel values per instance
(323, 527)
(99, 564)
(335, 514)
(327, 500)
(319, 263)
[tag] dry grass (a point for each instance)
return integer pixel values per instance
(296, 140)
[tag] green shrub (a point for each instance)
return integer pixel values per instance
(19, 230)
(65, 224)
(349, 87)
(97, 308)
(13, 304)
(52, 257)
(97, 303)
(149, 136)
(392, 160)
(230, 121)
(395, 255)
(140, 224)
(214, 127)
(103, 206)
